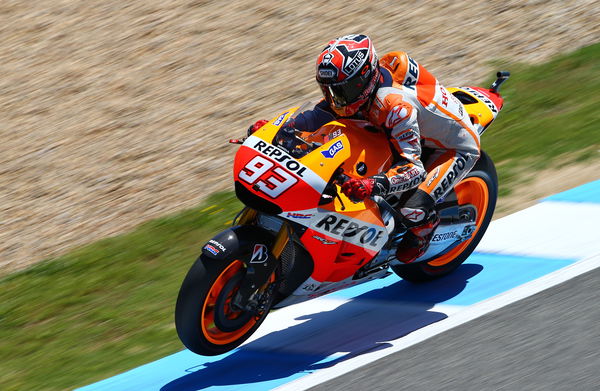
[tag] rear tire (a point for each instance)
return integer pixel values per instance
(480, 188)
(204, 319)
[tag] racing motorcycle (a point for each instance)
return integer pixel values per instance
(299, 237)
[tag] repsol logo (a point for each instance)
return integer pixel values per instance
(412, 75)
(280, 156)
(350, 231)
(457, 168)
(409, 184)
(484, 99)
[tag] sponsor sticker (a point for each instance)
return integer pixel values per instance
(444, 97)
(457, 168)
(411, 214)
(483, 98)
(280, 156)
(333, 150)
(409, 134)
(351, 231)
(407, 185)
(334, 134)
(327, 59)
(279, 119)
(323, 240)
(397, 115)
(444, 236)
(299, 215)
(260, 254)
(217, 244)
(326, 73)
(356, 59)
(468, 230)
(405, 176)
(435, 175)
(412, 75)
(211, 249)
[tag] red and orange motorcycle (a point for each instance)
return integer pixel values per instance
(299, 237)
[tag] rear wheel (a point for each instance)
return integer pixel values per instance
(205, 319)
(480, 189)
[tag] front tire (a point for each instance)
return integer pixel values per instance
(206, 322)
(479, 188)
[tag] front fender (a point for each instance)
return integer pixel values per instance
(241, 239)
(251, 245)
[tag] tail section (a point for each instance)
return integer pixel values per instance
(482, 104)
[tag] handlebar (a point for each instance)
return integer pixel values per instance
(501, 77)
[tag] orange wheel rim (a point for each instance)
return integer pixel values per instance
(474, 191)
(212, 333)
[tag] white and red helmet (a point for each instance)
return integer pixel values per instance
(347, 72)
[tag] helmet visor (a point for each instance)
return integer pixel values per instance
(346, 92)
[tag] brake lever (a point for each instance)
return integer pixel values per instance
(337, 195)
(339, 180)
(237, 140)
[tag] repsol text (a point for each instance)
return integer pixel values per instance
(457, 168)
(280, 156)
(350, 230)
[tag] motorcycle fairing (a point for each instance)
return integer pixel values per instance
(370, 152)
(343, 243)
(481, 104)
(311, 288)
(344, 235)
(269, 172)
(340, 241)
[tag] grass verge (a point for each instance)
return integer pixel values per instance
(104, 308)
(108, 307)
(550, 117)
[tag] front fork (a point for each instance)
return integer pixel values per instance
(259, 268)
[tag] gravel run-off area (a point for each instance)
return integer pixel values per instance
(116, 112)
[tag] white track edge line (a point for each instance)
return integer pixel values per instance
(472, 312)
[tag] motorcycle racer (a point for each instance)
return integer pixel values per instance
(401, 98)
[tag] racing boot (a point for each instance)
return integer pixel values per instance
(416, 240)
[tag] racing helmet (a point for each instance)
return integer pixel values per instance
(348, 72)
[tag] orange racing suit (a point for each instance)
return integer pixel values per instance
(415, 110)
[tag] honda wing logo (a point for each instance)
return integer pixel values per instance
(323, 240)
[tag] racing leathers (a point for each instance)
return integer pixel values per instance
(414, 110)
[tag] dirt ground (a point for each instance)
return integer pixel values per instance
(537, 186)
(114, 112)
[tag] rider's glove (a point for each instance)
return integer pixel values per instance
(359, 189)
(257, 125)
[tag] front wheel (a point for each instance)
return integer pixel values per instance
(480, 189)
(205, 319)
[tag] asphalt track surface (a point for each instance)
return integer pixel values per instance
(549, 341)
(520, 314)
